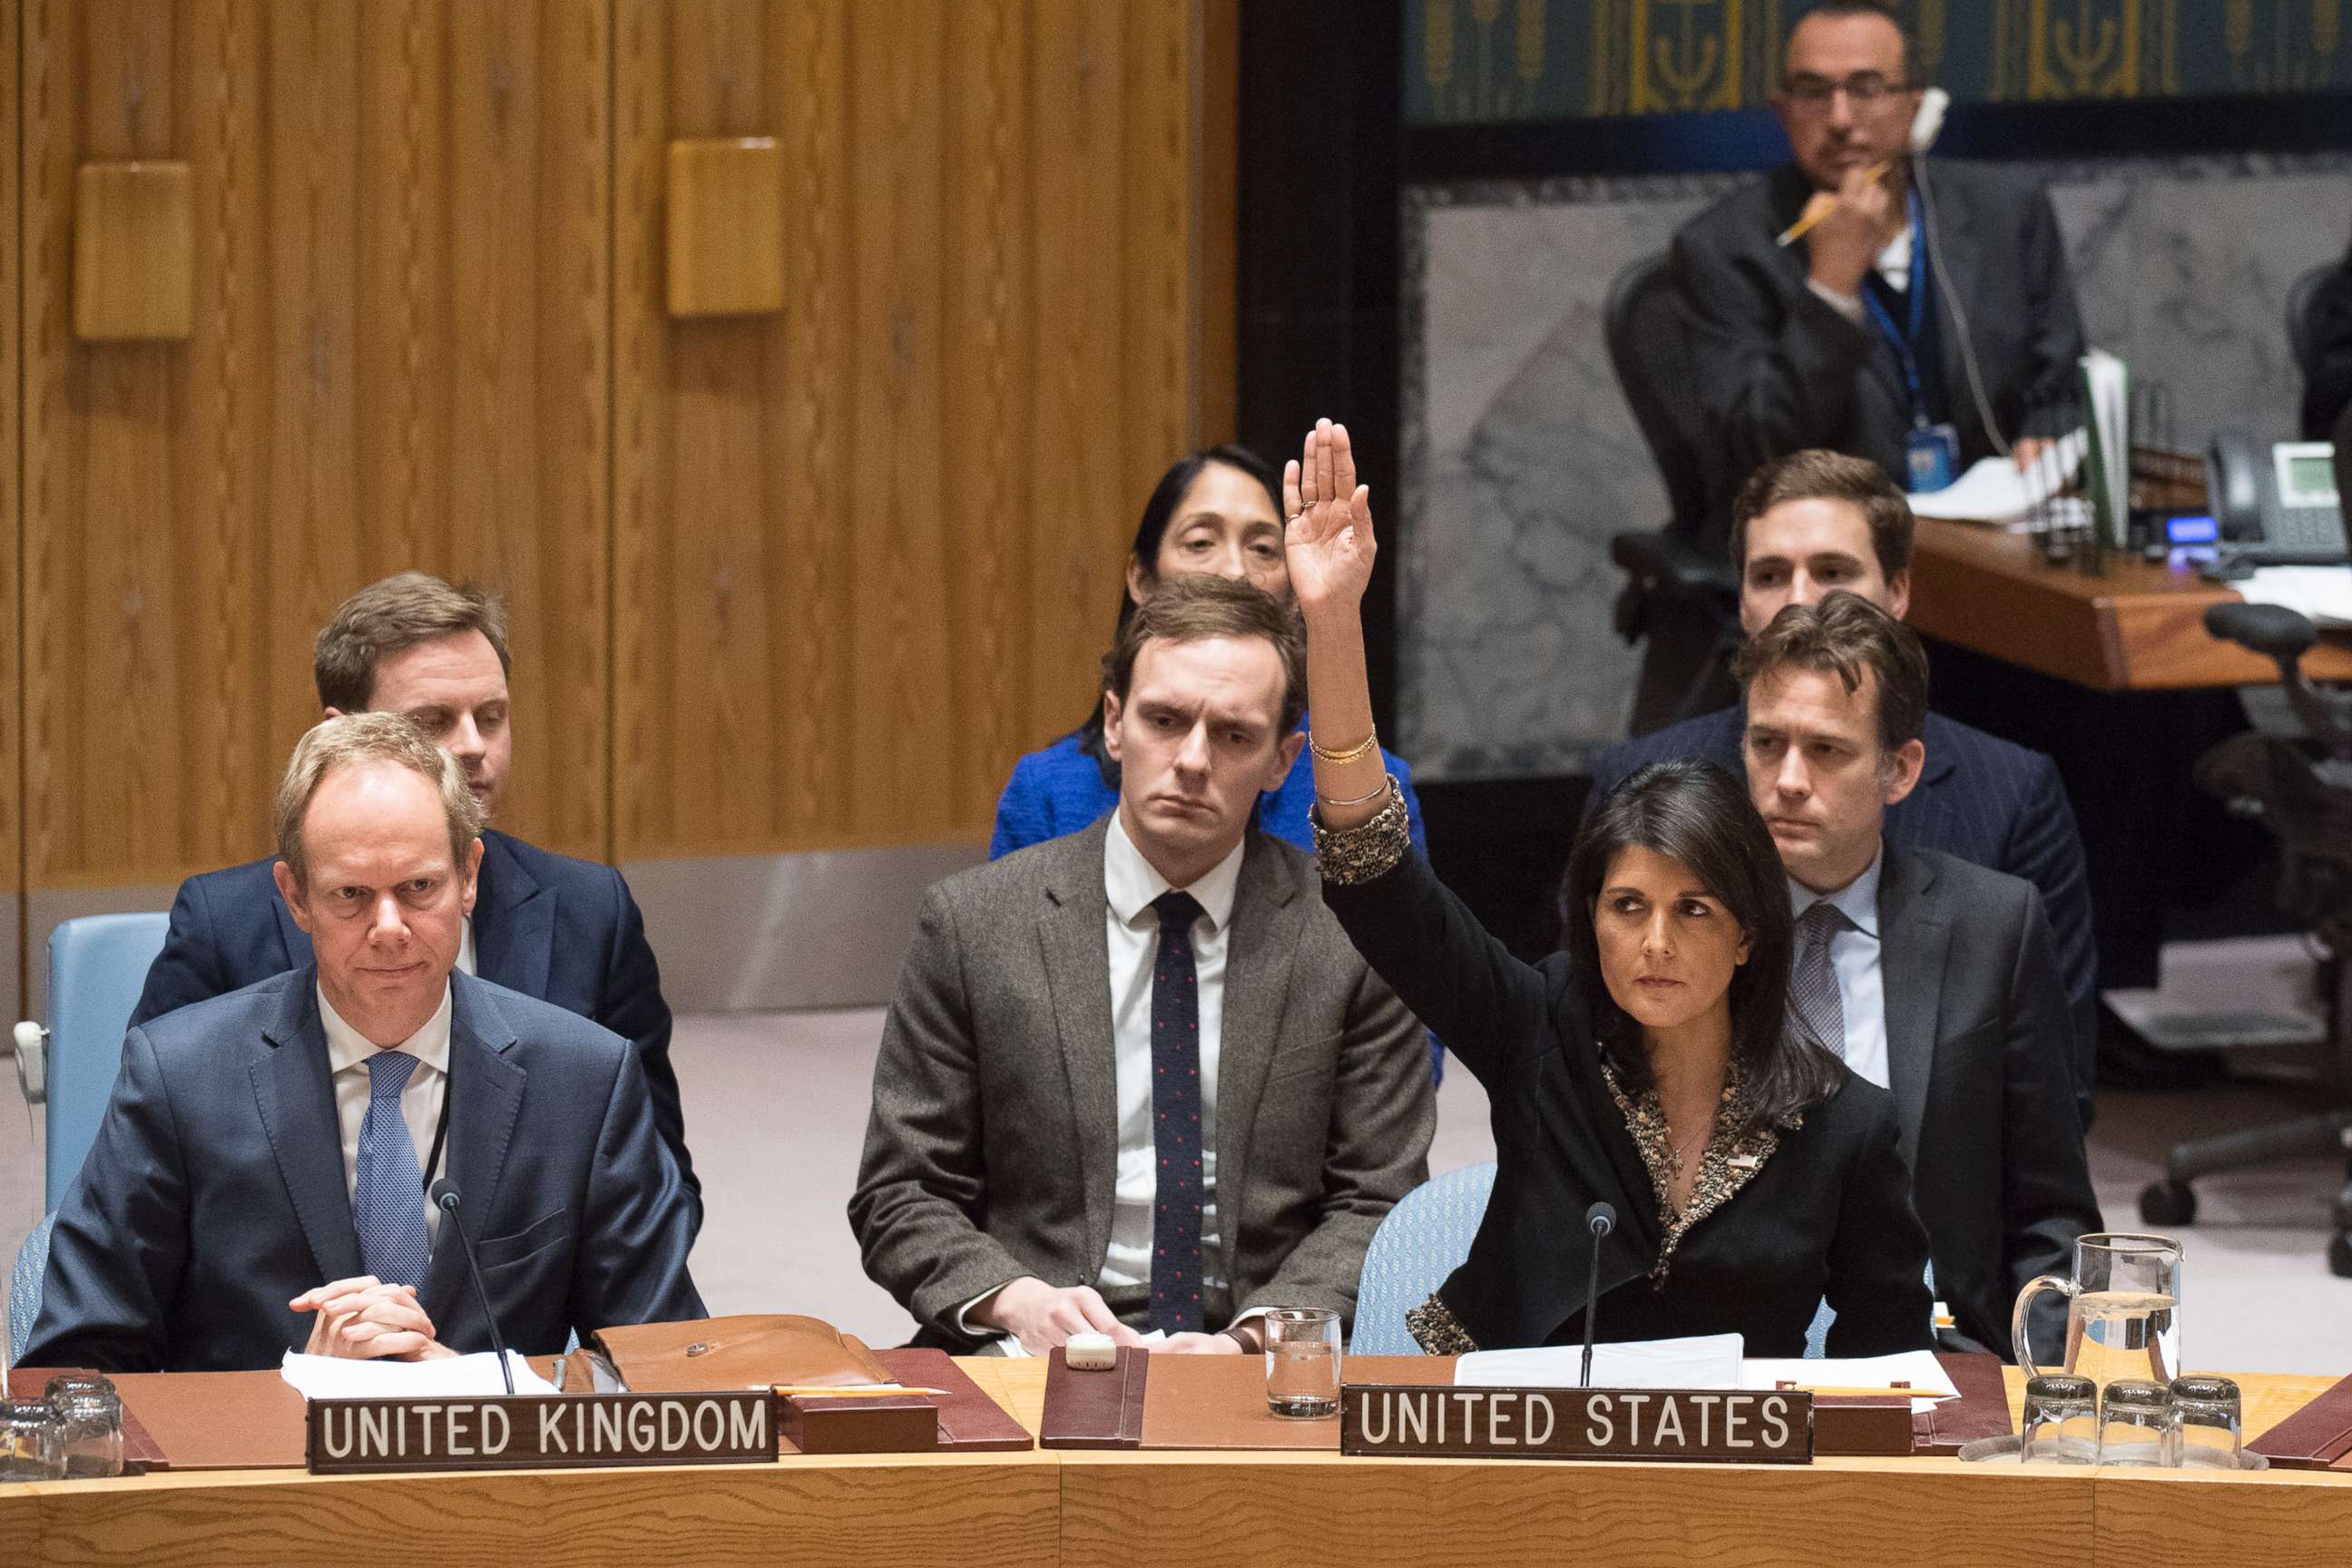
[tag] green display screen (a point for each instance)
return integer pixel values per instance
(2312, 477)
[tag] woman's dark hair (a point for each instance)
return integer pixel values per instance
(1157, 512)
(1697, 813)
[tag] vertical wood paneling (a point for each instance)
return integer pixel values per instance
(400, 359)
(12, 538)
(790, 582)
(869, 547)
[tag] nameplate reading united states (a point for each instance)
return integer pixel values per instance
(1723, 1426)
(356, 1436)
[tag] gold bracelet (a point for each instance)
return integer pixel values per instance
(1329, 800)
(1349, 755)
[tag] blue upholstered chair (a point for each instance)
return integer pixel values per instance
(97, 966)
(1425, 1238)
(25, 1286)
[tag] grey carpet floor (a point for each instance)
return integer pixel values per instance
(775, 1108)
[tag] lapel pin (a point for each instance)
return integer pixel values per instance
(1745, 1162)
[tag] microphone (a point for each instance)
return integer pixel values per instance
(445, 1198)
(1600, 1219)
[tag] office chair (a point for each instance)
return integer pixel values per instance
(98, 965)
(2299, 784)
(1421, 1240)
(1678, 584)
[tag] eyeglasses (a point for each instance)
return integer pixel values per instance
(1863, 89)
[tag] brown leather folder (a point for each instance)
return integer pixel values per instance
(1850, 1425)
(2317, 1437)
(1980, 1411)
(140, 1451)
(737, 1352)
(1096, 1409)
(970, 1421)
(218, 1420)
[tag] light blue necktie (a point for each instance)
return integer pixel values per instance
(388, 1199)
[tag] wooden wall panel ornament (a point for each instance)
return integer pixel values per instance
(726, 227)
(134, 251)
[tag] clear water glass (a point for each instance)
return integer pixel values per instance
(2207, 1426)
(1302, 1362)
(32, 1447)
(2135, 1424)
(90, 1416)
(2061, 1420)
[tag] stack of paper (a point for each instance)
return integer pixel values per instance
(445, 1377)
(1997, 490)
(1920, 1369)
(1704, 1361)
(2322, 593)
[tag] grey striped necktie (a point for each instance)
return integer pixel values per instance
(1814, 984)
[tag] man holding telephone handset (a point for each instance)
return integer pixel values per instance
(1854, 301)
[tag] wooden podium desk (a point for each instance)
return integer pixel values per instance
(1298, 1510)
(2135, 627)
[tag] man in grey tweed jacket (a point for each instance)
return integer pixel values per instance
(1013, 1186)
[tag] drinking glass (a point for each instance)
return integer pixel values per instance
(2207, 1428)
(31, 1447)
(2061, 1420)
(2123, 1309)
(1302, 1362)
(2135, 1422)
(90, 1418)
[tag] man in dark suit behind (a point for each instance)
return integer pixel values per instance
(1860, 331)
(565, 931)
(1814, 523)
(1934, 978)
(1136, 1077)
(259, 1183)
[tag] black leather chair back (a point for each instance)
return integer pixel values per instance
(1648, 329)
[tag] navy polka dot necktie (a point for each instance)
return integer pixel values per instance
(1176, 1120)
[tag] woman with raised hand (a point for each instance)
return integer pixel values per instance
(1654, 1064)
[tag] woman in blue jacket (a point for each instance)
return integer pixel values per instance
(1213, 511)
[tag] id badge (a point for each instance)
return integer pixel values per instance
(1931, 454)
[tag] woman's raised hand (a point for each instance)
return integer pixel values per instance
(1330, 538)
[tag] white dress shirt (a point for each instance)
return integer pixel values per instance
(1133, 926)
(1854, 955)
(348, 1053)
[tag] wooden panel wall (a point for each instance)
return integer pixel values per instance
(800, 580)
(866, 549)
(401, 357)
(12, 539)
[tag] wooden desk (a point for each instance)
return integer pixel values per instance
(1087, 1509)
(2138, 627)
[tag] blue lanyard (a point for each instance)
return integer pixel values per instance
(1905, 345)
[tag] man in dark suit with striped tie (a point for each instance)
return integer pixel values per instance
(1137, 1078)
(1933, 978)
(1814, 523)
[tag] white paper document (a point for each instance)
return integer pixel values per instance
(448, 1377)
(1995, 491)
(1920, 1369)
(2322, 593)
(1701, 1361)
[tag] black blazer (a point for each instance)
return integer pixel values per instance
(1827, 1216)
(216, 1190)
(1778, 369)
(563, 930)
(1976, 1060)
(1981, 800)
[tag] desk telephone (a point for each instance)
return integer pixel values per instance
(2283, 511)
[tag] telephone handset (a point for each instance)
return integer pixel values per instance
(2277, 508)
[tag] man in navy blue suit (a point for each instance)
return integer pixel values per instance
(1815, 522)
(259, 1182)
(561, 930)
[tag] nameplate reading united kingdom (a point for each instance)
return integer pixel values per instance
(359, 1436)
(1722, 1425)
